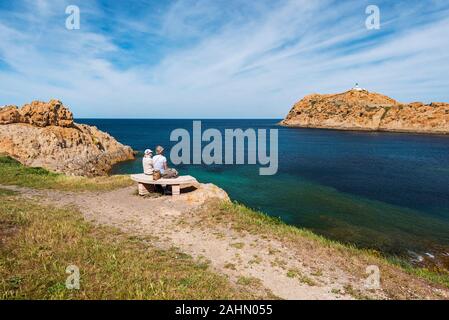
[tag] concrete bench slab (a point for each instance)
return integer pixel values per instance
(145, 183)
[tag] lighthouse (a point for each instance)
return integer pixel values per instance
(357, 88)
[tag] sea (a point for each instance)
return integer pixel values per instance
(377, 190)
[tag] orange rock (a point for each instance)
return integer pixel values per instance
(9, 114)
(44, 114)
(363, 110)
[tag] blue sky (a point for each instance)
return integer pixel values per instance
(217, 58)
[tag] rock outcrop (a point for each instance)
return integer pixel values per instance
(38, 113)
(44, 135)
(363, 110)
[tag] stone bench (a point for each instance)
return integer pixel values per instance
(145, 183)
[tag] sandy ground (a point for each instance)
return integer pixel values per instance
(266, 266)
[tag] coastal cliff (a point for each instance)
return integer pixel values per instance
(359, 109)
(44, 135)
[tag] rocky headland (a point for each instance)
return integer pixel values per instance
(43, 134)
(358, 109)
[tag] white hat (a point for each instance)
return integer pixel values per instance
(148, 151)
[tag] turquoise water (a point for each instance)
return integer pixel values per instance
(377, 190)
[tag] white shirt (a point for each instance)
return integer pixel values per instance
(159, 162)
(147, 163)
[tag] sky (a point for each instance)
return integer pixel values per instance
(218, 58)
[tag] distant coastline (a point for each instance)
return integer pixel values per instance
(357, 129)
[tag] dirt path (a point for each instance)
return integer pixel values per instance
(264, 266)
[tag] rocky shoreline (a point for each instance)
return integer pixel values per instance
(361, 110)
(43, 134)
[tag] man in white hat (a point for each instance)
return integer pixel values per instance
(147, 162)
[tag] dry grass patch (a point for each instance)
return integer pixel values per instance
(38, 243)
(230, 266)
(237, 245)
(294, 273)
(249, 281)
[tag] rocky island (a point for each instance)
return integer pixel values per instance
(43, 134)
(359, 109)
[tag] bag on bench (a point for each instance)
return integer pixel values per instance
(170, 173)
(156, 175)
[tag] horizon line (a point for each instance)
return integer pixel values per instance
(89, 118)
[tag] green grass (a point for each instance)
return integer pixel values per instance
(37, 243)
(6, 192)
(440, 277)
(14, 173)
(432, 276)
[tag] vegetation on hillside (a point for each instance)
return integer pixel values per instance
(244, 219)
(14, 173)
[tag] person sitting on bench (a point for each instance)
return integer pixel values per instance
(160, 163)
(147, 162)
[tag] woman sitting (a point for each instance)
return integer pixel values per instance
(147, 162)
(160, 163)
